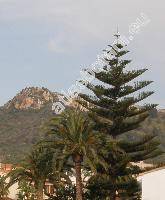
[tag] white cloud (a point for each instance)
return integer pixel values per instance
(93, 17)
(80, 21)
(73, 24)
(57, 45)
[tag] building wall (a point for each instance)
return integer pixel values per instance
(153, 185)
(13, 191)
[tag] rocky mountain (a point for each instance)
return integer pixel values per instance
(31, 98)
(22, 119)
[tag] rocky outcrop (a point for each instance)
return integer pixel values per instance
(32, 98)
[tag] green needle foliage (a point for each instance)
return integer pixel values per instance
(113, 103)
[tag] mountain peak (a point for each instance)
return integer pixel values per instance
(31, 98)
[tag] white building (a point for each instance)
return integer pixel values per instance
(153, 184)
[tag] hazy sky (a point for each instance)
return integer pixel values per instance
(47, 42)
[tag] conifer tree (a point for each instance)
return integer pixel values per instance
(113, 103)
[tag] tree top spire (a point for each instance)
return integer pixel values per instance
(117, 34)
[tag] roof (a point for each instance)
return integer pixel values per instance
(5, 167)
(152, 170)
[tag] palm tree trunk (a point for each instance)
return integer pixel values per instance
(113, 196)
(79, 192)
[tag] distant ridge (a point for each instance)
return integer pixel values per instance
(31, 98)
(22, 119)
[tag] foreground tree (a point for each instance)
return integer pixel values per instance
(113, 105)
(35, 170)
(4, 190)
(74, 136)
(26, 191)
(119, 181)
(67, 192)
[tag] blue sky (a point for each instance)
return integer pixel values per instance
(47, 42)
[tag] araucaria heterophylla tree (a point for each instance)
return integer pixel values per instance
(114, 102)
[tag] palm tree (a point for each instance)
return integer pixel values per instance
(26, 191)
(36, 169)
(74, 136)
(3, 187)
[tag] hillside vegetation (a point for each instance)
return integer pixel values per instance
(20, 128)
(21, 120)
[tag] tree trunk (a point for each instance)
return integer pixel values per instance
(79, 193)
(40, 194)
(113, 195)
